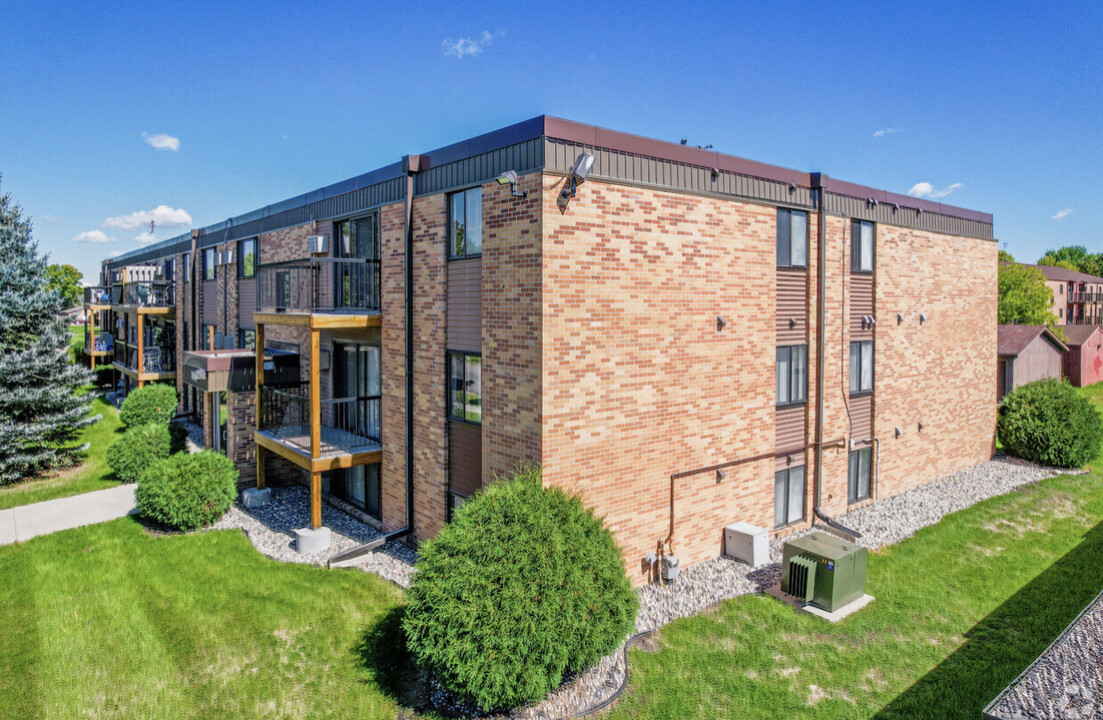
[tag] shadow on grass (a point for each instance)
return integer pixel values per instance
(1005, 642)
(382, 650)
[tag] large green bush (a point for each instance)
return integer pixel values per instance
(188, 490)
(1051, 423)
(152, 403)
(137, 449)
(524, 585)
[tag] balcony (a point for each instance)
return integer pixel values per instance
(98, 295)
(104, 344)
(153, 363)
(347, 290)
(144, 294)
(348, 426)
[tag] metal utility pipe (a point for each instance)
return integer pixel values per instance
(819, 183)
(411, 165)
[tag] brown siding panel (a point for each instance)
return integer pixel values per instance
(792, 305)
(861, 303)
(465, 457)
(247, 302)
(853, 207)
(210, 302)
(789, 430)
(465, 307)
(861, 418)
(1041, 359)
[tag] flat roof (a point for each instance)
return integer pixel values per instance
(546, 126)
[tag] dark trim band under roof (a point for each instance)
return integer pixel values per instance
(545, 126)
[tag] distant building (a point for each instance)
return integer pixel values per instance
(1084, 360)
(1027, 353)
(1077, 296)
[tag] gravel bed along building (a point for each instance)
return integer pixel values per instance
(1066, 681)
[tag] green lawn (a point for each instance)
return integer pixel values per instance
(92, 474)
(961, 610)
(110, 622)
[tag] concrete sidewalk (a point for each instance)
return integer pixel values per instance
(23, 523)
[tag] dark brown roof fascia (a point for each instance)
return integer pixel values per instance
(634, 144)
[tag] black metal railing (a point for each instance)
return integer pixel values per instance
(98, 295)
(319, 285)
(284, 412)
(144, 293)
(154, 360)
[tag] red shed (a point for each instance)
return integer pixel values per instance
(1084, 360)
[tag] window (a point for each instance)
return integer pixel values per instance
(247, 339)
(247, 258)
(187, 267)
(788, 496)
(1060, 288)
(465, 387)
(465, 212)
(359, 486)
(170, 269)
(861, 246)
(792, 375)
(861, 367)
(792, 238)
(858, 477)
(210, 263)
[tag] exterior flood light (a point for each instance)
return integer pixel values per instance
(509, 177)
(578, 174)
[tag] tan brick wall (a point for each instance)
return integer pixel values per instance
(429, 297)
(511, 327)
(392, 471)
(941, 372)
(637, 381)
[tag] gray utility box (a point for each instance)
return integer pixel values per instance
(748, 543)
(823, 570)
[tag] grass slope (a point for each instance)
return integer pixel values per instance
(92, 474)
(961, 609)
(110, 622)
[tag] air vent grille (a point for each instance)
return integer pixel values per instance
(802, 577)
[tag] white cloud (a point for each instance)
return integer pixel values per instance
(469, 46)
(1062, 214)
(161, 141)
(925, 189)
(115, 253)
(93, 236)
(162, 215)
(886, 131)
(145, 238)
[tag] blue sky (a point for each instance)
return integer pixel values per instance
(997, 105)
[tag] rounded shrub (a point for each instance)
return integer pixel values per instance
(524, 585)
(152, 403)
(137, 449)
(188, 490)
(1049, 422)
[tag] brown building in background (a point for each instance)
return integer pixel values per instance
(1077, 296)
(684, 338)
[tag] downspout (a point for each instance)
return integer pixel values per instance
(411, 164)
(819, 183)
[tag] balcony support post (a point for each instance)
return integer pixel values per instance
(141, 351)
(315, 500)
(260, 468)
(259, 339)
(315, 395)
(90, 324)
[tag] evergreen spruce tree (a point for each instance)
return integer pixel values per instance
(42, 401)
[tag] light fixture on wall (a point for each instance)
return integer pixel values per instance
(509, 177)
(579, 172)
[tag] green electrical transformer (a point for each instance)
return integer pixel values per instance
(823, 570)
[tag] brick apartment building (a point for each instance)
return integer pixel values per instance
(685, 338)
(1077, 296)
